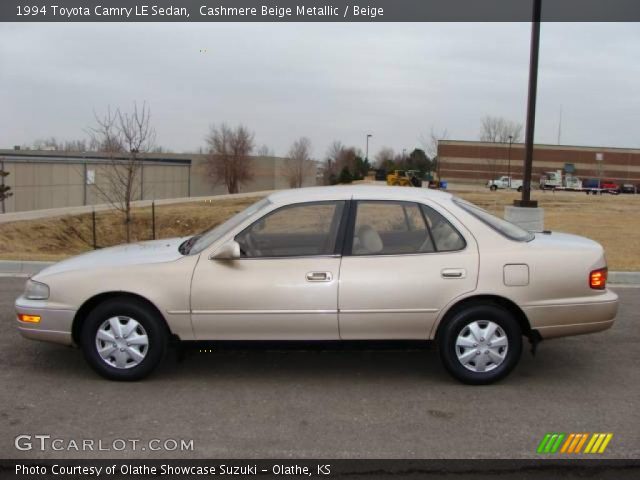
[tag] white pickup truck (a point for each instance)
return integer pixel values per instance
(504, 182)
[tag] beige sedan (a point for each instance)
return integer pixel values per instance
(329, 263)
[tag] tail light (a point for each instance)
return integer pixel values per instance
(598, 279)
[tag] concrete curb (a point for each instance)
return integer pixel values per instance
(624, 278)
(24, 268)
(21, 268)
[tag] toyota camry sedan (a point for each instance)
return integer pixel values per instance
(326, 264)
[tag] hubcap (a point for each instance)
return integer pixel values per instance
(482, 346)
(122, 342)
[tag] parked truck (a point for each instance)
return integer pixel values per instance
(505, 182)
(557, 181)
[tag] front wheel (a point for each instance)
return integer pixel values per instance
(123, 340)
(480, 344)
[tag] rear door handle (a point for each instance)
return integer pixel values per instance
(453, 273)
(319, 277)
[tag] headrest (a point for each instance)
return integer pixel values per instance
(370, 241)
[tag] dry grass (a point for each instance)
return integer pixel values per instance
(57, 238)
(611, 220)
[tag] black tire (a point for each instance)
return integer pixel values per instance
(455, 325)
(493, 188)
(154, 328)
(519, 189)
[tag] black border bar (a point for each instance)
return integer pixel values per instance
(332, 11)
(542, 468)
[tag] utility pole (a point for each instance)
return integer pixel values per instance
(366, 156)
(509, 160)
(526, 201)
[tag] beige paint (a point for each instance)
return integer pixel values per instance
(368, 297)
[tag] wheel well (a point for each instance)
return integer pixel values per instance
(505, 303)
(93, 302)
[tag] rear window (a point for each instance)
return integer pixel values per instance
(508, 229)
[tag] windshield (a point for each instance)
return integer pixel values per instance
(508, 229)
(203, 240)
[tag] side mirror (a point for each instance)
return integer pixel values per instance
(228, 251)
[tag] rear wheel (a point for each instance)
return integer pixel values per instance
(123, 340)
(480, 344)
(493, 188)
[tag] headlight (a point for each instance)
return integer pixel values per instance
(36, 290)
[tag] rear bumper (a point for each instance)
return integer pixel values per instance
(54, 326)
(575, 317)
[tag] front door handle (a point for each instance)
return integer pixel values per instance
(319, 277)
(453, 273)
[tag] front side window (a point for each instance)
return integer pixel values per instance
(395, 228)
(304, 229)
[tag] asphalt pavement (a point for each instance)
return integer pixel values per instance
(321, 403)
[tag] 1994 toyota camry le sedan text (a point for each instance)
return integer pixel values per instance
(329, 263)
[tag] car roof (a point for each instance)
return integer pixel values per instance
(358, 191)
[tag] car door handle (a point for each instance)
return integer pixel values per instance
(453, 273)
(319, 277)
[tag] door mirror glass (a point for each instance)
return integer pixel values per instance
(228, 251)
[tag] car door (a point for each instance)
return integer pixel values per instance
(285, 284)
(403, 262)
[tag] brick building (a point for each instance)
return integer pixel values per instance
(477, 162)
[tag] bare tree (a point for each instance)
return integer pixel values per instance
(500, 130)
(123, 136)
(265, 151)
(228, 161)
(52, 143)
(384, 157)
(430, 145)
(298, 165)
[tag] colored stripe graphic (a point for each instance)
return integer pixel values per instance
(572, 443)
(598, 442)
(551, 442)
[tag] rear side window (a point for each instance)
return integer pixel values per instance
(396, 228)
(445, 236)
(508, 229)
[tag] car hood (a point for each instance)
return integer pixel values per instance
(155, 251)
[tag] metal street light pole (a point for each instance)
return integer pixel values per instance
(509, 160)
(366, 157)
(531, 108)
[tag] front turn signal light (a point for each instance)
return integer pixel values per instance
(23, 317)
(598, 279)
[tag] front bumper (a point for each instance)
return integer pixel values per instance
(55, 321)
(574, 316)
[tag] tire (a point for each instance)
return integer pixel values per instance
(136, 321)
(457, 340)
(519, 189)
(493, 188)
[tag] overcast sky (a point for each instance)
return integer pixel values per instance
(325, 81)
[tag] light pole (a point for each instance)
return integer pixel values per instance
(366, 156)
(509, 160)
(526, 201)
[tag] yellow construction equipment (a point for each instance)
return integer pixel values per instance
(404, 178)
